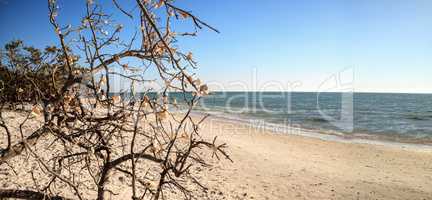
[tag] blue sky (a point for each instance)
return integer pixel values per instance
(284, 44)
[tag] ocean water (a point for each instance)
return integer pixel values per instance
(400, 117)
(394, 117)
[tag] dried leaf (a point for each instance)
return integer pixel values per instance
(189, 56)
(102, 80)
(163, 114)
(144, 104)
(116, 98)
(158, 50)
(204, 89)
(159, 4)
(184, 14)
(67, 99)
(197, 82)
(36, 111)
(76, 72)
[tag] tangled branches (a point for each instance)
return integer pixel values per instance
(61, 118)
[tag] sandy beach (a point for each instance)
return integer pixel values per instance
(268, 165)
(216, 100)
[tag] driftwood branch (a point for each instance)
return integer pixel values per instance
(28, 194)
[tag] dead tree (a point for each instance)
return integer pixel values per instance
(59, 114)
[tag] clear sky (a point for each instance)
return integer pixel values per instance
(375, 45)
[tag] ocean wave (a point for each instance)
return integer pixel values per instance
(318, 119)
(288, 127)
(419, 117)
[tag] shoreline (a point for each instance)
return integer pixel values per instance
(355, 138)
(269, 165)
